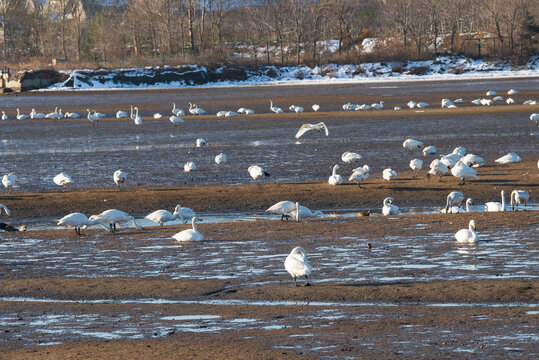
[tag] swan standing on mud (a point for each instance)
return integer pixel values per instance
(184, 213)
(296, 264)
(112, 217)
(62, 179)
(454, 198)
(257, 172)
(519, 197)
(463, 172)
(467, 235)
(283, 208)
(389, 174)
(412, 144)
(119, 178)
(275, 109)
(9, 181)
(190, 234)
(335, 179)
(79, 220)
(162, 216)
(221, 159)
(416, 165)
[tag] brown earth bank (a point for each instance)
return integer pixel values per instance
(499, 291)
(407, 190)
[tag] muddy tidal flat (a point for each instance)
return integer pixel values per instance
(391, 287)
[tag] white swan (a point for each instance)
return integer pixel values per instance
(519, 197)
(9, 181)
(137, 119)
(119, 178)
(467, 235)
(22, 116)
(463, 172)
(195, 110)
(190, 234)
(510, 101)
(98, 114)
(358, 175)
(275, 109)
(62, 179)
(94, 119)
(535, 117)
(6, 210)
(79, 220)
(189, 166)
(429, 150)
(112, 217)
(350, 157)
(36, 115)
(508, 159)
(494, 206)
(306, 127)
(473, 160)
(184, 213)
(297, 266)
(71, 115)
(335, 179)
(283, 208)
(512, 92)
(305, 212)
(437, 167)
(176, 111)
(121, 114)
(175, 120)
(4, 116)
(316, 107)
(221, 159)
(378, 106)
(454, 198)
(389, 208)
(411, 104)
(446, 103)
(257, 172)
(201, 142)
(459, 101)
(389, 174)
(412, 144)
(491, 93)
(161, 216)
(158, 116)
(416, 165)
(296, 109)
(245, 111)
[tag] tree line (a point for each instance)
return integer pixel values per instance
(263, 31)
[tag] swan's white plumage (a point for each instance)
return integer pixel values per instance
(161, 216)
(429, 150)
(306, 127)
(389, 208)
(467, 235)
(454, 198)
(296, 264)
(283, 208)
(335, 179)
(189, 166)
(113, 217)
(221, 159)
(62, 179)
(9, 180)
(201, 142)
(257, 172)
(389, 174)
(190, 234)
(411, 144)
(184, 213)
(463, 172)
(79, 220)
(494, 206)
(119, 177)
(509, 158)
(349, 157)
(473, 160)
(519, 197)
(416, 164)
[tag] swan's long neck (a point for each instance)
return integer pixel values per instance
(468, 203)
(18, 114)
(133, 221)
(6, 210)
(513, 198)
(447, 205)
(173, 107)
(297, 211)
(335, 170)
(503, 201)
(131, 116)
(99, 222)
(194, 224)
(386, 202)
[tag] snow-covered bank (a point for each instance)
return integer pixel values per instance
(186, 76)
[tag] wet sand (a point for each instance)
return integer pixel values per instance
(415, 293)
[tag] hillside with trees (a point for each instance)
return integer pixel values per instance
(108, 33)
